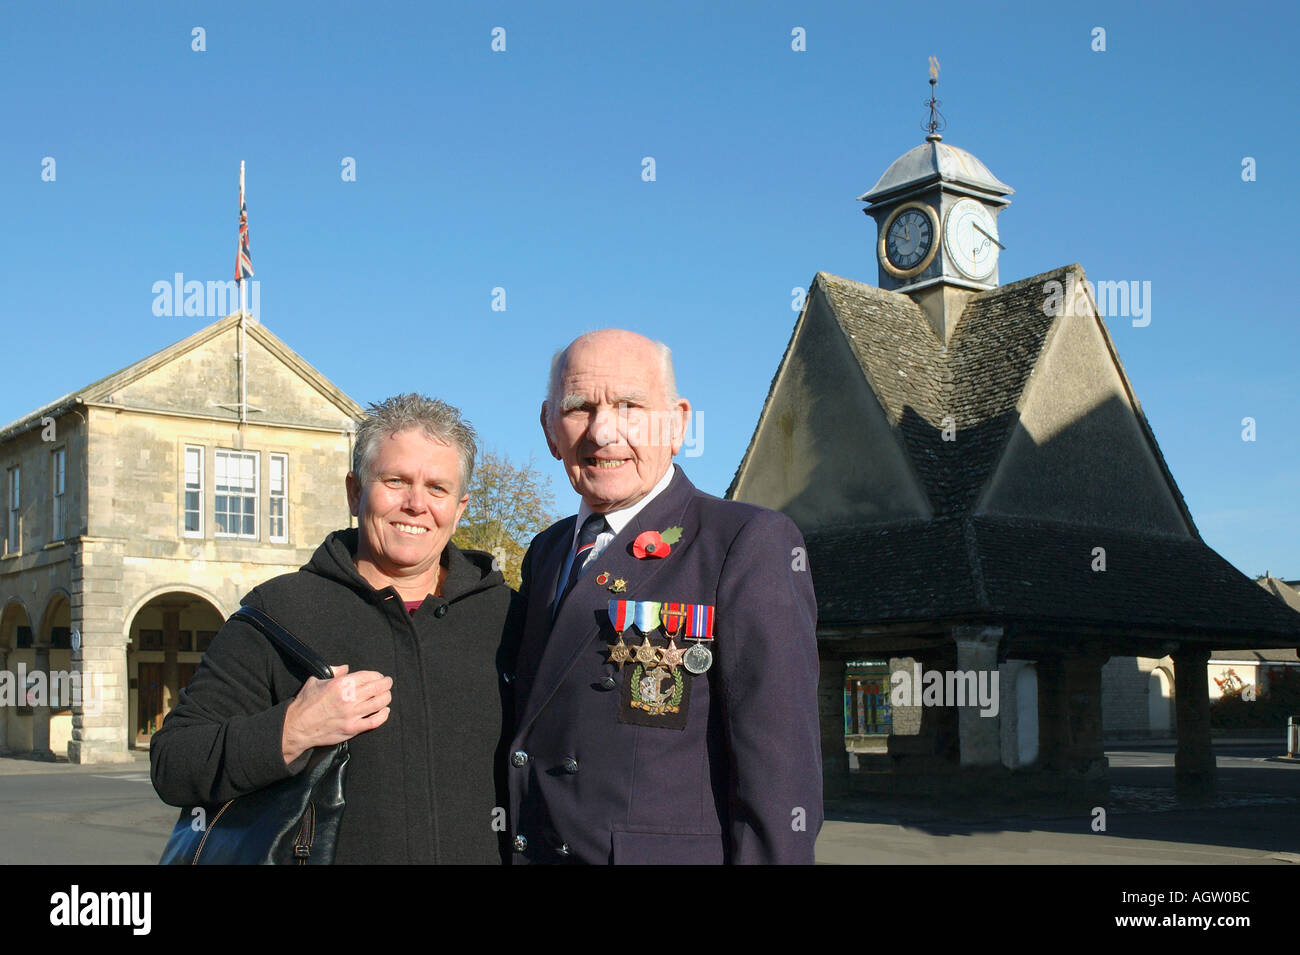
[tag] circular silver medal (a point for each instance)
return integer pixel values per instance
(698, 659)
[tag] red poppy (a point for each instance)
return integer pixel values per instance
(650, 544)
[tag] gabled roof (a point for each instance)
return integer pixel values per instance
(979, 377)
(105, 387)
(960, 565)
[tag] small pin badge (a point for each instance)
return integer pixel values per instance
(618, 586)
(603, 578)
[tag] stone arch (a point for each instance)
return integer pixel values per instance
(58, 604)
(9, 614)
(156, 592)
(165, 634)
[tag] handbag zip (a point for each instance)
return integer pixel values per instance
(208, 829)
(306, 835)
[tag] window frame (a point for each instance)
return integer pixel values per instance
(186, 490)
(283, 496)
(58, 495)
(256, 458)
(13, 509)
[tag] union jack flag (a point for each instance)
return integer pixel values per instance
(243, 257)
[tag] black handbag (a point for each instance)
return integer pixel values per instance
(293, 821)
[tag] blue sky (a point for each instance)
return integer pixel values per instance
(522, 170)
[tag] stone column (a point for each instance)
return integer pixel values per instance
(977, 652)
(4, 713)
(1083, 681)
(171, 672)
(1053, 714)
(99, 723)
(830, 706)
(41, 713)
(1194, 766)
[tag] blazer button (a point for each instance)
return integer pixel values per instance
(562, 849)
(440, 611)
(608, 683)
(520, 844)
(519, 758)
(508, 677)
(570, 764)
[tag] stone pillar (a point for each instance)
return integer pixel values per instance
(99, 723)
(4, 713)
(1083, 680)
(171, 672)
(1194, 766)
(977, 653)
(830, 706)
(1053, 714)
(41, 713)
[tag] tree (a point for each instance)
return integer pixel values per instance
(508, 505)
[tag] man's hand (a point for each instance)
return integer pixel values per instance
(326, 712)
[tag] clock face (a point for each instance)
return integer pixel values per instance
(970, 235)
(908, 243)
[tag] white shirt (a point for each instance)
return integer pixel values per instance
(616, 521)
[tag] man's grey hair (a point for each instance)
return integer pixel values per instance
(437, 419)
(561, 358)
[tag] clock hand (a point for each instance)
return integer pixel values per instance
(991, 238)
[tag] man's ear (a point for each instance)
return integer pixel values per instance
(546, 430)
(354, 494)
(681, 412)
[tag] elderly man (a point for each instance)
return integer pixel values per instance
(666, 679)
(412, 627)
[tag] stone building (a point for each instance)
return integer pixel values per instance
(983, 497)
(138, 510)
(1137, 692)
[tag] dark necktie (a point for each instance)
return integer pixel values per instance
(592, 528)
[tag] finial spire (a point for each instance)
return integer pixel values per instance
(937, 122)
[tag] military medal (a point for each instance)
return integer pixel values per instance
(671, 656)
(645, 614)
(620, 615)
(699, 627)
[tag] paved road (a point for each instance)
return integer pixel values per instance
(62, 814)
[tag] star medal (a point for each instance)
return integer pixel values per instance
(671, 656)
(646, 654)
(699, 627)
(620, 615)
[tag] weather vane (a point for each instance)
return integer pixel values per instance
(937, 122)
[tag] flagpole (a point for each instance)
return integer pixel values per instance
(243, 358)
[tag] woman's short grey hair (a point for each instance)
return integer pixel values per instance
(561, 357)
(437, 419)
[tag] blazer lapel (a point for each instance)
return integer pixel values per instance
(583, 611)
(537, 623)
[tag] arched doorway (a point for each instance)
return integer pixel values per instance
(166, 639)
(16, 641)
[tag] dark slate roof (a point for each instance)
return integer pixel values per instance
(1005, 570)
(978, 377)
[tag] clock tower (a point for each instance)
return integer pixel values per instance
(936, 210)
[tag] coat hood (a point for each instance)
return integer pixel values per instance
(468, 571)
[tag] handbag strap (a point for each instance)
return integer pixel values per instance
(286, 641)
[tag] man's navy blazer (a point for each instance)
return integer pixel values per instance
(741, 781)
